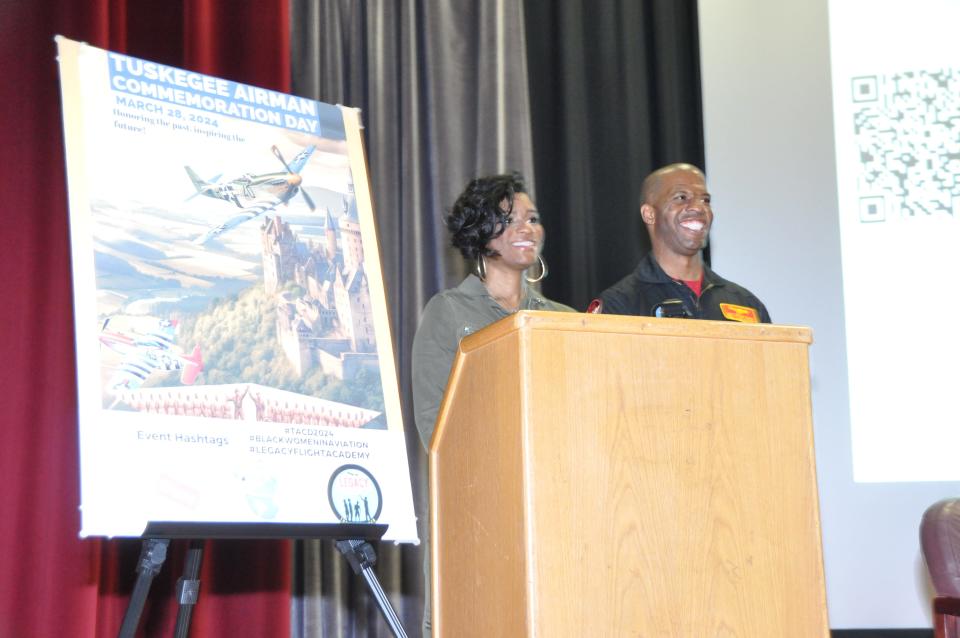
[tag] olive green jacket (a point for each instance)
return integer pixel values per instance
(448, 317)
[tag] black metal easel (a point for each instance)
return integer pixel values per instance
(351, 540)
(362, 557)
(152, 554)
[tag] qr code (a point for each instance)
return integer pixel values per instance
(907, 129)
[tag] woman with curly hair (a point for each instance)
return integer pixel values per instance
(497, 229)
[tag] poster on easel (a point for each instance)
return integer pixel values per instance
(234, 355)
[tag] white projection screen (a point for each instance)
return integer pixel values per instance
(832, 136)
(896, 102)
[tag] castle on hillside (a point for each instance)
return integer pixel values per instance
(331, 323)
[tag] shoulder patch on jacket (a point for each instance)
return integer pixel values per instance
(744, 314)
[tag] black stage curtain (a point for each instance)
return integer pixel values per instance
(614, 94)
(582, 97)
(443, 94)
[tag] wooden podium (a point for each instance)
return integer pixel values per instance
(595, 475)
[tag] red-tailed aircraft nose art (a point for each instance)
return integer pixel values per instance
(254, 194)
(147, 352)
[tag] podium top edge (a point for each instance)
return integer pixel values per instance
(540, 320)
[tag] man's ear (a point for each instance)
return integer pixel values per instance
(648, 214)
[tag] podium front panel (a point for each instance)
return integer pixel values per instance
(479, 554)
(661, 474)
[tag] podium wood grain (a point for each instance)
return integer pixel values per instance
(617, 476)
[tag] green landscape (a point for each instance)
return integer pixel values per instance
(238, 339)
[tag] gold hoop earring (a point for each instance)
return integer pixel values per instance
(543, 271)
(481, 268)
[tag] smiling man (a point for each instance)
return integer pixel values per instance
(672, 280)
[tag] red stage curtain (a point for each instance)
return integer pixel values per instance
(51, 582)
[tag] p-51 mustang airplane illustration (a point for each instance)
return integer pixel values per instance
(254, 194)
(146, 352)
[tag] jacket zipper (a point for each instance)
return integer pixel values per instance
(696, 299)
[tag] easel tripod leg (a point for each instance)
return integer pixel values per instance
(188, 588)
(362, 557)
(152, 554)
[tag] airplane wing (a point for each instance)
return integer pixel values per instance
(300, 160)
(250, 212)
(139, 364)
(144, 352)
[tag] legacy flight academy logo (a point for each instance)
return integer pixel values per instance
(355, 495)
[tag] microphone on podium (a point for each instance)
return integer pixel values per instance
(671, 309)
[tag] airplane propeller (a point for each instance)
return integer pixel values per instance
(279, 156)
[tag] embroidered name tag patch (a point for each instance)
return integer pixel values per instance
(739, 313)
